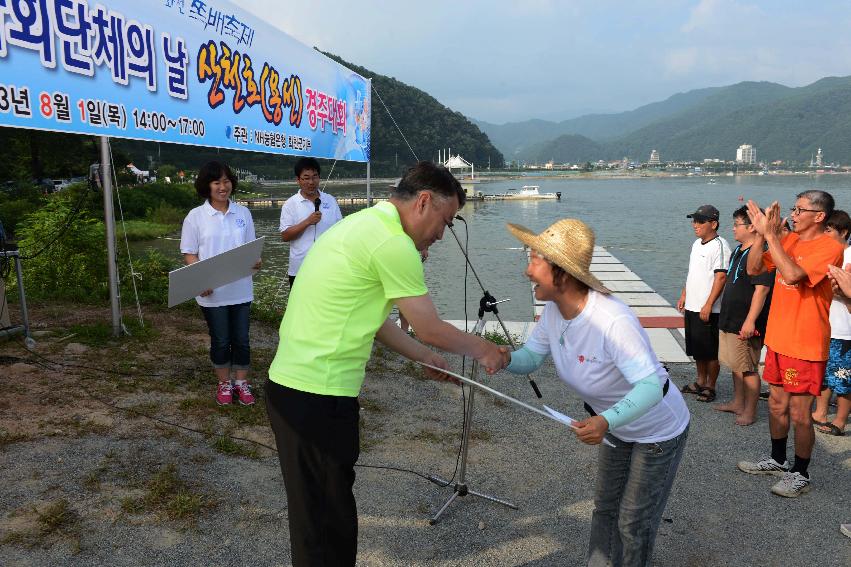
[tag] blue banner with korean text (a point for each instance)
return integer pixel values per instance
(183, 71)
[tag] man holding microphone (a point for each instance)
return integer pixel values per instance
(308, 208)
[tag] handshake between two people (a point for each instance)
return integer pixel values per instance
(490, 356)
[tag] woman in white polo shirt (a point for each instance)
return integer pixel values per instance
(601, 351)
(210, 229)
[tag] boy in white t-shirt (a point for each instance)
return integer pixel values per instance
(700, 300)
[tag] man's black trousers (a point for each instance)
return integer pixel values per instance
(318, 444)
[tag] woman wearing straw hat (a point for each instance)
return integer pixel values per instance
(601, 351)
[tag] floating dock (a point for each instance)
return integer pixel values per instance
(278, 202)
(664, 324)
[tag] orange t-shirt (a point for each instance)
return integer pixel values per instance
(799, 316)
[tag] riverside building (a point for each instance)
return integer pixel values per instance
(746, 154)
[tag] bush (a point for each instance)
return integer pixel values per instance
(166, 214)
(151, 272)
(16, 204)
(137, 202)
(73, 266)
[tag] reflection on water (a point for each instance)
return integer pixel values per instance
(641, 221)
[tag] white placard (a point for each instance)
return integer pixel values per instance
(189, 281)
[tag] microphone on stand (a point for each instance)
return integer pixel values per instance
(317, 202)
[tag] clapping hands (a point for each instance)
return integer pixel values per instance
(840, 280)
(766, 222)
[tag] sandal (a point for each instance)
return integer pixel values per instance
(830, 429)
(706, 395)
(693, 388)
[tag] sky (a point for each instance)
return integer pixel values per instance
(512, 60)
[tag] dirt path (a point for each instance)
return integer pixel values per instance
(86, 483)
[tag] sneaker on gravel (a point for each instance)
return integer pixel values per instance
(766, 465)
(845, 529)
(792, 485)
(224, 394)
(243, 390)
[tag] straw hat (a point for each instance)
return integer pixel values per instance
(568, 243)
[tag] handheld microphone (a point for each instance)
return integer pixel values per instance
(317, 202)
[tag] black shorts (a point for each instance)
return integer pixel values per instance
(701, 338)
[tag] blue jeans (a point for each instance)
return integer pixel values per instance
(228, 326)
(633, 483)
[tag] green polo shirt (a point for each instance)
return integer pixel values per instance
(343, 293)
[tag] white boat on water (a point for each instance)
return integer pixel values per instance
(527, 192)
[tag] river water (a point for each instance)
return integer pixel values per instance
(641, 221)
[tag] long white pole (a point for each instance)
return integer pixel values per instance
(368, 186)
(368, 164)
(109, 221)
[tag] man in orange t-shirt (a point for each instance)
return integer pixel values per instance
(798, 330)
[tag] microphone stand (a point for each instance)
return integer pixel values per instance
(487, 304)
(490, 297)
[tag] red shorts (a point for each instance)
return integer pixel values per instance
(795, 375)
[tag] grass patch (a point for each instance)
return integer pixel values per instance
(498, 337)
(100, 334)
(168, 496)
(236, 414)
(94, 477)
(412, 369)
(8, 438)
(427, 436)
(52, 521)
(480, 435)
(228, 446)
(370, 405)
(75, 427)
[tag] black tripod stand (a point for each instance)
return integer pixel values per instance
(487, 304)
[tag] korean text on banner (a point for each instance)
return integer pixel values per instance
(184, 71)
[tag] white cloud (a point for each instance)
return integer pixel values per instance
(681, 61)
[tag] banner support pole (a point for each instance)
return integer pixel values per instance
(109, 221)
(368, 186)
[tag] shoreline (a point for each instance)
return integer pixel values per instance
(384, 182)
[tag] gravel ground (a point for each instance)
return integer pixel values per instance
(715, 515)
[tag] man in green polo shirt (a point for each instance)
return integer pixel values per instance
(339, 304)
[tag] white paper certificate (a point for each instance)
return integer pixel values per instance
(189, 281)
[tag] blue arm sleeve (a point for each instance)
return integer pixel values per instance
(525, 361)
(638, 401)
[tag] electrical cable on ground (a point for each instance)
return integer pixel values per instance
(44, 361)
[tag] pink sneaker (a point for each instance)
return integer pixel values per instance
(224, 394)
(243, 390)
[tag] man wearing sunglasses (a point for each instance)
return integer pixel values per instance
(798, 331)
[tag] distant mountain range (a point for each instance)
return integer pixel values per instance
(783, 123)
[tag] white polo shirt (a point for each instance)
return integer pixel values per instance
(605, 352)
(296, 209)
(706, 259)
(208, 232)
